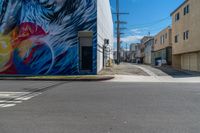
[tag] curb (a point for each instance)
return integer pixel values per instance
(61, 79)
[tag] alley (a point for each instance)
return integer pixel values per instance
(129, 72)
(128, 69)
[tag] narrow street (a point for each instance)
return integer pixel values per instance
(128, 69)
(128, 72)
(148, 70)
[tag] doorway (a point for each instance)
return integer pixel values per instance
(86, 63)
(85, 51)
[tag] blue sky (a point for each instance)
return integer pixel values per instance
(144, 16)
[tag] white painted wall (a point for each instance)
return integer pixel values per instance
(104, 30)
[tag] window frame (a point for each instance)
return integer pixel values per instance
(186, 10)
(176, 39)
(177, 16)
(186, 35)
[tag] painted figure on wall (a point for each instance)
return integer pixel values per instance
(40, 36)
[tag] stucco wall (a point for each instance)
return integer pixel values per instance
(185, 52)
(167, 41)
(148, 50)
(189, 22)
(104, 30)
(40, 37)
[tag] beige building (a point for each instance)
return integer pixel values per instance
(186, 36)
(162, 48)
(142, 47)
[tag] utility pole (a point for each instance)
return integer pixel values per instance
(126, 52)
(118, 22)
(118, 33)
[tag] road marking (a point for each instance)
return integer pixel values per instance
(4, 101)
(10, 99)
(6, 105)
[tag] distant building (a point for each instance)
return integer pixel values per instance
(148, 49)
(162, 48)
(138, 56)
(142, 47)
(132, 53)
(122, 54)
(186, 35)
(115, 56)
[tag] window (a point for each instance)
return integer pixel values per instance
(176, 39)
(186, 35)
(162, 39)
(177, 17)
(155, 41)
(186, 10)
(165, 35)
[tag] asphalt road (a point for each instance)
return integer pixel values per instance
(99, 107)
(128, 69)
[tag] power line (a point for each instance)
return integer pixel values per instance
(151, 23)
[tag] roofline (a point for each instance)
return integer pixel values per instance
(146, 37)
(167, 28)
(179, 7)
(149, 40)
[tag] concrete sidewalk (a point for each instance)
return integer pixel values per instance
(162, 75)
(154, 79)
(60, 78)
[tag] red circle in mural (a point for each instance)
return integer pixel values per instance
(28, 30)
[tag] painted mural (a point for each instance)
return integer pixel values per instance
(39, 37)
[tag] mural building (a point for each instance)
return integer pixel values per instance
(48, 37)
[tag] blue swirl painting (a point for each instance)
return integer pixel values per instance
(40, 37)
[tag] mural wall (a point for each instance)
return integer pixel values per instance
(39, 37)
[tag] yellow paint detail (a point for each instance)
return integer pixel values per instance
(24, 47)
(5, 52)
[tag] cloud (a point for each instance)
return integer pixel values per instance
(131, 39)
(136, 31)
(139, 31)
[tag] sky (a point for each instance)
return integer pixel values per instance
(145, 16)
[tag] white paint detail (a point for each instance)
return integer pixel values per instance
(7, 105)
(10, 99)
(104, 30)
(4, 101)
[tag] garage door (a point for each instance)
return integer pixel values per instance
(189, 62)
(193, 62)
(185, 60)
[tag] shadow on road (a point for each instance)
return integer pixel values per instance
(178, 73)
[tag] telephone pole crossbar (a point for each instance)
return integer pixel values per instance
(119, 33)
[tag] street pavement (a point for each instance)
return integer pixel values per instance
(152, 101)
(102, 107)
